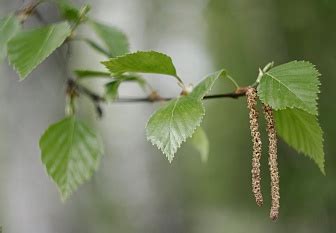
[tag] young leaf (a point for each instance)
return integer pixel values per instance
(302, 131)
(173, 123)
(206, 84)
(9, 26)
(111, 90)
(200, 142)
(115, 40)
(27, 49)
(68, 10)
(72, 13)
(91, 74)
(71, 153)
(142, 62)
(294, 85)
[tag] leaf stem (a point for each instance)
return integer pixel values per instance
(233, 81)
(180, 82)
(82, 17)
(27, 10)
(262, 72)
(71, 94)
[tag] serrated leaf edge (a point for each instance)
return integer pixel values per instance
(160, 146)
(318, 74)
(24, 76)
(219, 74)
(105, 63)
(65, 196)
(299, 151)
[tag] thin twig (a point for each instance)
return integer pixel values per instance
(83, 90)
(97, 98)
(27, 10)
(147, 99)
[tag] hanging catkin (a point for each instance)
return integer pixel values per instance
(272, 161)
(251, 95)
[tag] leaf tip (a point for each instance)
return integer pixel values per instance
(65, 195)
(22, 76)
(170, 158)
(322, 168)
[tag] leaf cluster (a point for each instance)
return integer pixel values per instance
(71, 151)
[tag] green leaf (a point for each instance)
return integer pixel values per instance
(70, 153)
(200, 142)
(115, 40)
(91, 74)
(302, 131)
(206, 84)
(173, 123)
(294, 85)
(9, 26)
(97, 47)
(111, 90)
(27, 49)
(142, 62)
(70, 12)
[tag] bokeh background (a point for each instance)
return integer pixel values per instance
(135, 188)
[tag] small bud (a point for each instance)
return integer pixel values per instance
(251, 94)
(272, 161)
(154, 96)
(187, 90)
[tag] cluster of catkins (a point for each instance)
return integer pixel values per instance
(251, 94)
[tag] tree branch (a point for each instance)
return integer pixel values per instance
(231, 95)
(152, 98)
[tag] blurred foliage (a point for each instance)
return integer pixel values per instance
(243, 35)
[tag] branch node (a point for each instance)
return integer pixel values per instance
(154, 96)
(242, 90)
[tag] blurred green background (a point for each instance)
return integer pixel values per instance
(136, 189)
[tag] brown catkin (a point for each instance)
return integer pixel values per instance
(273, 163)
(251, 95)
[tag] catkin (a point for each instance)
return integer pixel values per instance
(272, 161)
(251, 95)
